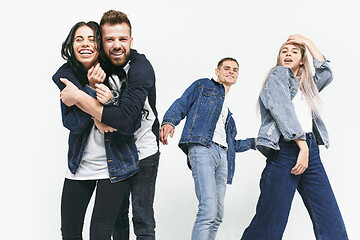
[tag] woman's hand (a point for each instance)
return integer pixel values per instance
(95, 75)
(303, 158)
(102, 127)
(297, 39)
(301, 40)
(103, 93)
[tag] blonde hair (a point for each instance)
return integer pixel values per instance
(306, 81)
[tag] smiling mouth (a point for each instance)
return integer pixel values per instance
(85, 52)
(117, 54)
(288, 60)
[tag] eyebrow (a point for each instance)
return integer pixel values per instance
(229, 66)
(112, 36)
(291, 48)
(80, 36)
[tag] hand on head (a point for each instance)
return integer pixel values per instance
(297, 39)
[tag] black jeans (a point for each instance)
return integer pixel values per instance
(142, 188)
(74, 202)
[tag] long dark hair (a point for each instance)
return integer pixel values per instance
(67, 50)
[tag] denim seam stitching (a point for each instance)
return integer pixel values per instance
(312, 212)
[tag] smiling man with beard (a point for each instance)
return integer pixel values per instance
(132, 76)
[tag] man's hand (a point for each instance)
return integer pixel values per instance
(165, 130)
(103, 93)
(102, 127)
(69, 94)
(95, 75)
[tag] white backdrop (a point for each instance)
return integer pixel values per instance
(184, 42)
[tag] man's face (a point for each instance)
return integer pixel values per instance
(227, 73)
(116, 42)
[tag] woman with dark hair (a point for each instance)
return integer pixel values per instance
(290, 132)
(98, 156)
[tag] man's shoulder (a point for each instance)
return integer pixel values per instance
(64, 68)
(138, 58)
(140, 64)
(64, 71)
(207, 82)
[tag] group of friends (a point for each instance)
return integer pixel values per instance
(108, 103)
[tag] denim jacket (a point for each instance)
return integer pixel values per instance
(121, 152)
(278, 117)
(201, 104)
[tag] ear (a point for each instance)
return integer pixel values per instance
(131, 42)
(216, 71)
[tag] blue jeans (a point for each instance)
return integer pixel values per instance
(209, 170)
(278, 187)
(142, 188)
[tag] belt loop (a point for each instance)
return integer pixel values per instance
(310, 136)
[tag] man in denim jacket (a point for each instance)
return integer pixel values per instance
(208, 139)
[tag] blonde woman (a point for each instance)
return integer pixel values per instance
(291, 130)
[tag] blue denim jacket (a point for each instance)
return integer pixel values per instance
(201, 104)
(278, 117)
(121, 152)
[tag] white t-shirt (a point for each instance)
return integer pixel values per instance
(93, 164)
(303, 111)
(220, 132)
(145, 139)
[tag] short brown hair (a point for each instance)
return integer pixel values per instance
(115, 17)
(226, 59)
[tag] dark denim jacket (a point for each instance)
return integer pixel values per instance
(278, 117)
(201, 104)
(121, 152)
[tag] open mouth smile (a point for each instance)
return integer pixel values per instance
(85, 51)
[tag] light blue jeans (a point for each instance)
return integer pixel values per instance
(209, 170)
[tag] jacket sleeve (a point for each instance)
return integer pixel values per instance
(276, 98)
(126, 115)
(244, 145)
(73, 118)
(180, 108)
(323, 74)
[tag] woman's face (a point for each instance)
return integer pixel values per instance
(85, 47)
(290, 57)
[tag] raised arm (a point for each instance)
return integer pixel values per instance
(73, 117)
(301, 40)
(127, 113)
(323, 74)
(74, 113)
